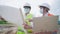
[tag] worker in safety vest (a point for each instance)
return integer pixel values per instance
(44, 9)
(28, 17)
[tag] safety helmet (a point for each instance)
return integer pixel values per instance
(45, 5)
(27, 5)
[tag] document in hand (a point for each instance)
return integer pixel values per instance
(45, 23)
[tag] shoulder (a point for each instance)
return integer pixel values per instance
(50, 14)
(30, 14)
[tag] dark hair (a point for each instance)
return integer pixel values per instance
(46, 8)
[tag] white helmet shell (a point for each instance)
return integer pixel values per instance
(45, 5)
(27, 4)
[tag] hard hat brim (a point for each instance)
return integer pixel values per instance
(27, 7)
(44, 6)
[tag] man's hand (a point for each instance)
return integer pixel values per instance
(30, 20)
(27, 26)
(1, 18)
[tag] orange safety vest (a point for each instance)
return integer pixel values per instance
(50, 14)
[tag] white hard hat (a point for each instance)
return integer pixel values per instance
(45, 5)
(27, 4)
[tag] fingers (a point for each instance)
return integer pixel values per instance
(27, 27)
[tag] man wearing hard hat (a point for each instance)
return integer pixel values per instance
(28, 19)
(44, 9)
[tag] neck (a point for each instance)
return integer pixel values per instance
(26, 14)
(44, 13)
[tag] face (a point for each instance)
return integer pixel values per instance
(27, 10)
(43, 10)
